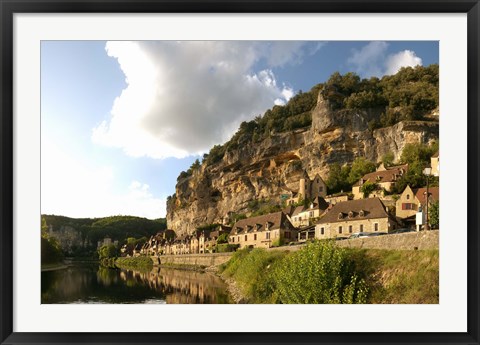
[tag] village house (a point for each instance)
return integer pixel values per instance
(263, 231)
(363, 215)
(336, 198)
(308, 189)
(412, 200)
(384, 178)
(305, 216)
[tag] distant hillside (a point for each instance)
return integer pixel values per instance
(79, 236)
(334, 123)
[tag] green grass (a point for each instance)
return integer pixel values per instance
(321, 273)
(399, 276)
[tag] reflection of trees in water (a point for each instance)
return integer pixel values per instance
(84, 284)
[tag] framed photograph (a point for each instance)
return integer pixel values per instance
(239, 172)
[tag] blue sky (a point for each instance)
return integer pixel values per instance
(120, 120)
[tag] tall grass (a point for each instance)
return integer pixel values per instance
(324, 273)
(319, 273)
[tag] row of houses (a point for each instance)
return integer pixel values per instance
(324, 217)
(201, 241)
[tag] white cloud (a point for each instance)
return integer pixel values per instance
(184, 97)
(73, 188)
(373, 60)
(402, 59)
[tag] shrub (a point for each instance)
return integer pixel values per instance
(319, 273)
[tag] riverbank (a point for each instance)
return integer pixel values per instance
(143, 263)
(54, 267)
(349, 275)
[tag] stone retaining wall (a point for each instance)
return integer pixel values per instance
(406, 241)
(206, 260)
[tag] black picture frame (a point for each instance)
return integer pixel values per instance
(9, 7)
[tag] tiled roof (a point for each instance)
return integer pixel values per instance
(434, 193)
(275, 221)
(372, 208)
(389, 175)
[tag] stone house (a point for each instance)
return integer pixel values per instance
(308, 189)
(305, 216)
(263, 231)
(336, 198)
(362, 215)
(385, 178)
(412, 200)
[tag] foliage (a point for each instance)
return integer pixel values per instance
(227, 247)
(337, 180)
(388, 159)
(208, 227)
(360, 167)
(107, 252)
(367, 188)
(223, 238)
(407, 95)
(142, 263)
(262, 207)
(92, 230)
(417, 152)
(398, 276)
(434, 214)
(50, 251)
(319, 273)
(251, 269)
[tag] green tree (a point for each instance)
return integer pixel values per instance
(417, 152)
(107, 252)
(337, 179)
(434, 214)
(360, 167)
(388, 159)
(367, 188)
(223, 238)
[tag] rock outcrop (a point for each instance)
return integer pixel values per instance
(274, 166)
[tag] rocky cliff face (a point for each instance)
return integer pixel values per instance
(274, 166)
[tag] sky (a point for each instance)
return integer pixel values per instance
(120, 120)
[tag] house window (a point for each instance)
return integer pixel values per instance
(246, 237)
(361, 227)
(320, 188)
(254, 237)
(408, 196)
(238, 238)
(267, 235)
(311, 214)
(375, 226)
(350, 229)
(406, 206)
(233, 239)
(322, 231)
(287, 234)
(340, 229)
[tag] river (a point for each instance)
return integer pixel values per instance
(92, 283)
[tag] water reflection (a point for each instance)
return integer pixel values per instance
(96, 284)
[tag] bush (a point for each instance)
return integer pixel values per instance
(227, 248)
(319, 273)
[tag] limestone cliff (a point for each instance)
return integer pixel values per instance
(274, 166)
